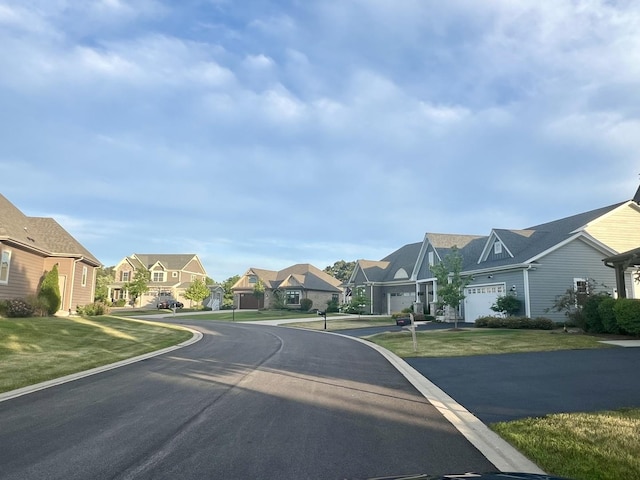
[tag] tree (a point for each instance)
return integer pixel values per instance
(341, 270)
(197, 291)
(258, 289)
(227, 300)
(139, 284)
(104, 277)
(450, 282)
(49, 292)
(507, 305)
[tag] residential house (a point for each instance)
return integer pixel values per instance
(536, 264)
(31, 246)
(171, 276)
(294, 283)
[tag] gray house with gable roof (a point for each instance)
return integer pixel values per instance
(536, 264)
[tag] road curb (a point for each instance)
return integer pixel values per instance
(197, 336)
(497, 450)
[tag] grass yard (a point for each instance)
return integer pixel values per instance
(336, 323)
(581, 446)
(448, 343)
(33, 350)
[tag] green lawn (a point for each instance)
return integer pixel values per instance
(336, 323)
(465, 342)
(582, 446)
(33, 350)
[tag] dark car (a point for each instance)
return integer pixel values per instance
(170, 304)
(402, 321)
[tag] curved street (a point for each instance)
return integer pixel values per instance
(247, 401)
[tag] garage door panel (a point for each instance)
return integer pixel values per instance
(479, 299)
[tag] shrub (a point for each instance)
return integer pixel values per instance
(93, 309)
(18, 308)
(591, 313)
(608, 316)
(539, 323)
(3, 308)
(627, 311)
(306, 304)
(49, 292)
(332, 306)
(507, 304)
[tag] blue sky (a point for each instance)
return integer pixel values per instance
(268, 133)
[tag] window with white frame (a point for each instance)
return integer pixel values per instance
(431, 259)
(581, 289)
(84, 276)
(158, 276)
(5, 263)
(497, 248)
(124, 276)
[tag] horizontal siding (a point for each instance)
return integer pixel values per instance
(620, 230)
(509, 279)
(25, 271)
(555, 274)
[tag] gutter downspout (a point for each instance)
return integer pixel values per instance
(527, 296)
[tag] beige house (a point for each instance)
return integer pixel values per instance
(294, 283)
(171, 276)
(30, 247)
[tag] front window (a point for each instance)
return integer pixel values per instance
(253, 279)
(293, 297)
(5, 263)
(124, 276)
(158, 276)
(581, 288)
(84, 276)
(497, 248)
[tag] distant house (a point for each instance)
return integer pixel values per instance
(31, 246)
(536, 264)
(171, 276)
(293, 283)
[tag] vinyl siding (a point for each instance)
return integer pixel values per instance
(555, 274)
(25, 271)
(620, 230)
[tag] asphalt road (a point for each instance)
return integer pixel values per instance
(247, 401)
(511, 386)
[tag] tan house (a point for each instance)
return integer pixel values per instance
(31, 246)
(171, 276)
(294, 283)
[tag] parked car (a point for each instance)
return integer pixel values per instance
(170, 304)
(402, 321)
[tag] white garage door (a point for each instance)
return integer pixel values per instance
(478, 300)
(400, 301)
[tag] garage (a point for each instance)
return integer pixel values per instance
(398, 301)
(248, 301)
(479, 299)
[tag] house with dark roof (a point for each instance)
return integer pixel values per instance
(294, 283)
(171, 276)
(31, 246)
(535, 264)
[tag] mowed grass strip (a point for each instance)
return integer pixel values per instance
(336, 324)
(581, 446)
(34, 350)
(466, 342)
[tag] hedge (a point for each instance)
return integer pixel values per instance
(538, 323)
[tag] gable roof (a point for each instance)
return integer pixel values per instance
(303, 275)
(169, 261)
(40, 234)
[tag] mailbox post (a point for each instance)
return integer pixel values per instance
(324, 314)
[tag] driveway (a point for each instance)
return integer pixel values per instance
(511, 386)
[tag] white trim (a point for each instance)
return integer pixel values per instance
(8, 252)
(629, 203)
(527, 296)
(581, 235)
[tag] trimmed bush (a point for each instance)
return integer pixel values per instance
(306, 304)
(627, 311)
(591, 313)
(49, 292)
(539, 323)
(608, 316)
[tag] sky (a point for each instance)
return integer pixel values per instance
(262, 133)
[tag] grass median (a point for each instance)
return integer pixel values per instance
(34, 350)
